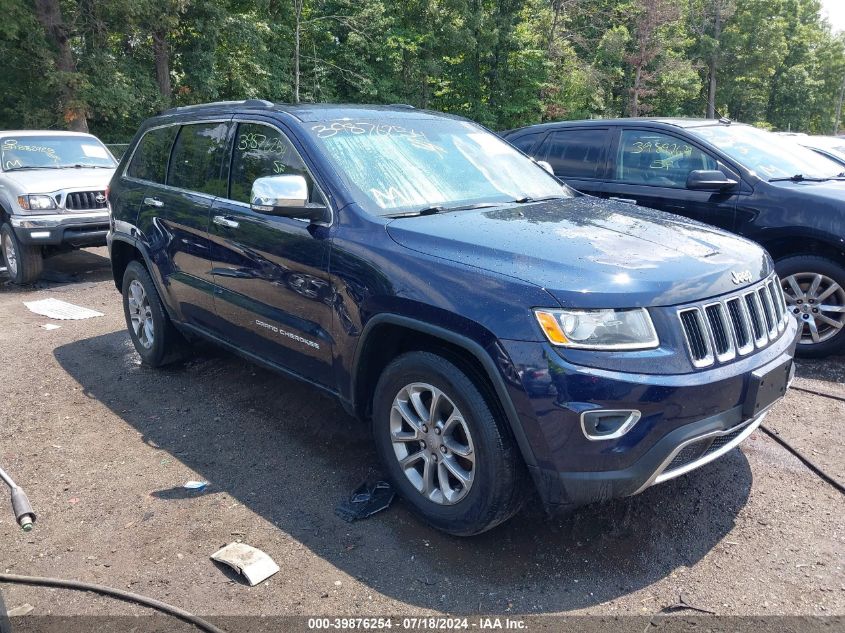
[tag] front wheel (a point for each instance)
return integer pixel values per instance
(24, 262)
(814, 288)
(450, 457)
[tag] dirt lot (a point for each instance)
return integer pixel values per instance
(103, 446)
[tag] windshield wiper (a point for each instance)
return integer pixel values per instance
(83, 166)
(802, 178)
(528, 199)
(31, 167)
(441, 209)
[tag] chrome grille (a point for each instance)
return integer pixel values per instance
(85, 200)
(734, 325)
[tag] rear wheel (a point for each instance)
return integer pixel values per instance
(451, 458)
(24, 262)
(814, 288)
(156, 339)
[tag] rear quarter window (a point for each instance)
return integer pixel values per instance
(149, 162)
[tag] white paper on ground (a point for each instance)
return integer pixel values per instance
(51, 326)
(56, 309)
(254, 564)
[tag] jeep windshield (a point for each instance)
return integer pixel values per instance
(403, 166)
(53, 152)
(770, 156)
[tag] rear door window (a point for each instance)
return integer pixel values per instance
(576, 153)
(149, 162)
(647, 157)
(197, 159)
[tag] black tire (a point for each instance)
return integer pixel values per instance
(498, 488)
(167, 343)
(28, 260)
(832, 270)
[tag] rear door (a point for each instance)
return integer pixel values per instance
(194, 179)
(650, 168)
(272, 272)
(578, 156)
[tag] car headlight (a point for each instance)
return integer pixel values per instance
(39, 202)
(599, 329)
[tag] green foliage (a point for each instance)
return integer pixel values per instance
(504, 63)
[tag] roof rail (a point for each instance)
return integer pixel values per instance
(402, 105)
(249, 103)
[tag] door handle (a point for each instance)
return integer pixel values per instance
(153, 202)
(227, 222)
(625, 200)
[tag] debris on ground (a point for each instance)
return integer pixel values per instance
(367, 499)
(255, 565)
(683, 605)
(58, 309)
(195, 485)
(17, 612)
(51, 326)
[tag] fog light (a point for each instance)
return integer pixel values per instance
(608, 424)
(39, 234)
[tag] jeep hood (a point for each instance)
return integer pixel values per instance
(590, 253)
(52, 180)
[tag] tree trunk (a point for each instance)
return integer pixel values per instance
(714, 61)
(635, 92)
(49, 14)
(161, 53)
(297, 35)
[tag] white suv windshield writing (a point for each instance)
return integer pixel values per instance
(53, 152)
(768, 155)
(400, 166)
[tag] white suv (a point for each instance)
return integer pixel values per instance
(52, 196)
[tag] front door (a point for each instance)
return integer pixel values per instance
(651, 169)
(272, 272)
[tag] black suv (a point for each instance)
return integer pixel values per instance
(749, 181)
(492, 325)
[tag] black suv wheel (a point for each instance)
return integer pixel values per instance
(24, 262)
(156, 339)
(814, 288)
(451, 458)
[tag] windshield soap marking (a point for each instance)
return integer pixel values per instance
(11, 144)
(415, 138)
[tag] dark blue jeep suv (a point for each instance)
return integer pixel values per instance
(495, 327)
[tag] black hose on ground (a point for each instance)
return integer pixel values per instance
(118, 594)
(819, 393)
(805, 460)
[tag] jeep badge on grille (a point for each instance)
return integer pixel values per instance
(741, 277)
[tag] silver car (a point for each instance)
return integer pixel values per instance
(52, 197)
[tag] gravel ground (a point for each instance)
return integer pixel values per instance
(103, 446)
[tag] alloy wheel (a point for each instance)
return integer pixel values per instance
(818, 302)
(432, 442)
(11, 255)
(140, 314)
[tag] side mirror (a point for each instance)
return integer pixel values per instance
(546, 166)
(285, 196)
(707, 180)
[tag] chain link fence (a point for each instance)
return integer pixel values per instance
(118, 149)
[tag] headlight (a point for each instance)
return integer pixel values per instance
(37, 202)
(599, 329)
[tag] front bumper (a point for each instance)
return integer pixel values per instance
(687, 420)
(74, 229)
